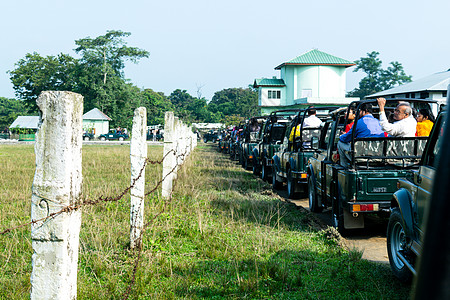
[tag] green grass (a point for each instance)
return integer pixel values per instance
(224, 235)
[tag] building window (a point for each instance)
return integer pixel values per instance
(424, 95)
(413, 95)
(274, 94)
(444, 94)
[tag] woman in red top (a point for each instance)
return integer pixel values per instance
(351, 120)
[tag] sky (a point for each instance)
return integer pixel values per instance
(204, 46)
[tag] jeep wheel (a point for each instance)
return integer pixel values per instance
(102, 138)
(256, 170)
(121, 139)
(86, 138)
(245, 164)
(312, 196)
(265, 172)
(290, 185)
(397, 242)
(276, 185)
(337, 214)
(205, 141)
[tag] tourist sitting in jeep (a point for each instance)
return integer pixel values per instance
(367, 126)
(405, 124)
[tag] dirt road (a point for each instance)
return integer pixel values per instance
(371, 240)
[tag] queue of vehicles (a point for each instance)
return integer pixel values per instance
(390, 177)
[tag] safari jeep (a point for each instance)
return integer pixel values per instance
(272, 132)
(291, 161)
(376, 165)
(405, 227)
(250, 138)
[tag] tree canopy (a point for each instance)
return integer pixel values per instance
(377, 79)
(98, 75)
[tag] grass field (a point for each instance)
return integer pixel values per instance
(224, 235)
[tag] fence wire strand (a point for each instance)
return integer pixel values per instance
(102, 199)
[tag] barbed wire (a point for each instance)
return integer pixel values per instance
(103, 199)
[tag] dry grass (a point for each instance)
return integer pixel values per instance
(224, 235)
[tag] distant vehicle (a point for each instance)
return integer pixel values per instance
(156, 137)
(290, 162)
(251, 136)
(210, 136)
(113, 134)
(406, 222)
(88, 136)
(272, 132)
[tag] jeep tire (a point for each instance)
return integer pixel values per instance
(396, 242)
(312, 196)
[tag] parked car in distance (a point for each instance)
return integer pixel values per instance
(88, 136)
(114, 134)
(408, 206)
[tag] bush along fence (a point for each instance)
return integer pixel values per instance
(56, 204)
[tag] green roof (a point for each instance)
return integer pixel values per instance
(316, 57)
(268, 82)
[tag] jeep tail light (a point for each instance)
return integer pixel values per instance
(303, 175)
(250, 156)
(365, 207)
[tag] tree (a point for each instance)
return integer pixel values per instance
(10, 109)
(34, 74)
(157, 104)
(98, 76)
(108, 53)
(235, 101)
(377, 79)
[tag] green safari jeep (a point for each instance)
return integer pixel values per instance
(366, 187)
(408, 207)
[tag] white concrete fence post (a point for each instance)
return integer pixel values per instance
(169, 162)
(178, 138)
(57, 184)
(138, 156)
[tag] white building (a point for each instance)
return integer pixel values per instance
(313, 78)
(96, 122)
(431, 87)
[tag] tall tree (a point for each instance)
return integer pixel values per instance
(98, 75)
(377, 79)
(35, 73)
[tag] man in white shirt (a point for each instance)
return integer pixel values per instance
(312, 120)
(404, 125)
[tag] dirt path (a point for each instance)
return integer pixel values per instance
(371, 240)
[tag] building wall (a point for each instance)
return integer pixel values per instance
(100, 126)
(263, 96)
(313, 81)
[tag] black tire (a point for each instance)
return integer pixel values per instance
(312, 196)
(205, 141)
(103, 138)
(256, 170)
(276, 185)
(245, 164)
(121, 139)
(264, 172)
(86, 138)
(290, 185)
(337, 214)
(396, 242)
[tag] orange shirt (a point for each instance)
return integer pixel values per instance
(424, 128)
